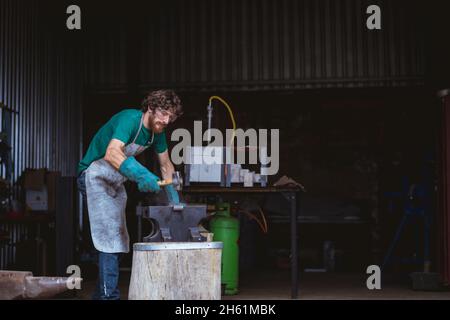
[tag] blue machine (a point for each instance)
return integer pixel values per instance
(416, 202)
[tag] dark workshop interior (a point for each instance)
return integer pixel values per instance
(364, 158)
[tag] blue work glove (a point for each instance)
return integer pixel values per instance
(172, 194)
(133, 170)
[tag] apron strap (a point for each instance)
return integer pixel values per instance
(139, 130)
(151, 141)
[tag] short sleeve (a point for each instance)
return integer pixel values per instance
(124, 129)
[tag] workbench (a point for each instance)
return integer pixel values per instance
(291, 194)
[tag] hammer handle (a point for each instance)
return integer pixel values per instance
(163, 183)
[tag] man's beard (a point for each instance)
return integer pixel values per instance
(157, 127)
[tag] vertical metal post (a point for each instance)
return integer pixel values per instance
(444, 177)
(294, 262)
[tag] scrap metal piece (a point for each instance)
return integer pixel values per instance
(195, 235)
(22, 285)
(12, 284)
(45, 287)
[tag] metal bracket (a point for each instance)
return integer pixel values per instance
(195, 235)
(165, 232)
(289, 196)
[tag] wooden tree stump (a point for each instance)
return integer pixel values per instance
(176, 271)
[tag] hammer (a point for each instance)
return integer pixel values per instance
(176, 181)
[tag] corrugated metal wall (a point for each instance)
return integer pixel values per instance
(40, 80)
(17, 233)
(106, 60)
(281, 44)
(262, 44)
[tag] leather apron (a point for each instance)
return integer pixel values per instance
(107, 199)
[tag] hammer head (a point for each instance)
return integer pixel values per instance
(177, 181)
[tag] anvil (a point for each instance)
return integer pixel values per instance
(173, 223)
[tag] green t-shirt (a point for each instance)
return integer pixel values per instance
(122, 126)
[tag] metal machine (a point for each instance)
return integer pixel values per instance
(211, 164)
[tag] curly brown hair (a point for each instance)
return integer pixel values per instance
(163, 99)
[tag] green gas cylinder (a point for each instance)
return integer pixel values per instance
(226, 229)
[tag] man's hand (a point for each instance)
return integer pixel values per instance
(148, 183)
(167, 171)
(166, 165)
(136, 172)
(172, 194)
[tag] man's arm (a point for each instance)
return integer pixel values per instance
(167, 171)
(167, 168)
(115, 155)
(129, 167)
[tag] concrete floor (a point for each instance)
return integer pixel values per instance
(312, 286)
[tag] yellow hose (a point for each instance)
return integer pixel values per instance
(229, 111)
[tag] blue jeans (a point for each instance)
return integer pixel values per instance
(107, 287)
